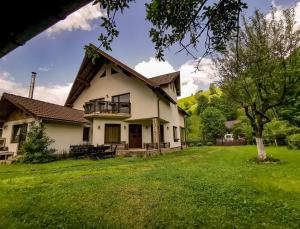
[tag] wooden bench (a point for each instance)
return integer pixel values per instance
(80, 150)
(104, 151)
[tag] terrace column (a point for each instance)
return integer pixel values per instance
(156, 132)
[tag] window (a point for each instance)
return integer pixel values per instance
(113, 71)
(19, 133)
(175, 134)
(103, 74)
(112, 133)
(122, 101)
(86, 134)
(124, 98)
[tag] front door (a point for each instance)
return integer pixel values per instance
(135, 136)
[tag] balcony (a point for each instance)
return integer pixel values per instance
(100, 108)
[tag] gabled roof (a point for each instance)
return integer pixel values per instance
(166, 79)
(40, 109)
(88, 70)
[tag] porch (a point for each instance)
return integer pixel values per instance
(131, 134)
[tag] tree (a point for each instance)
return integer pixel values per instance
(226, 107)
(36, 148)
(261, 69)
(243, 129)
(213, 126)
(278, 129)
(202, 103)
(212, 89)
(182, 22)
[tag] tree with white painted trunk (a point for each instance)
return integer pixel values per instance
(262, 68)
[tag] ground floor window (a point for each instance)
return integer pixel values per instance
(19, 133)
(86, 134)
(112, 133)
(175, 134)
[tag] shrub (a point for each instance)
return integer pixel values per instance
(199, 144)
(36, 147)
(294, 141)
(209, 144)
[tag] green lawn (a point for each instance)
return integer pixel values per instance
(206, 187)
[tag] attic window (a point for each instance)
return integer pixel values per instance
(113, 71)
(103, 74)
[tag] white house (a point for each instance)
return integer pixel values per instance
(109, 103)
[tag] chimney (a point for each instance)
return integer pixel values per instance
(32, 83)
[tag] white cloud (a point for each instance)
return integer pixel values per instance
(153, 67)
(191, 80)
(80, 19)
(44, 69)
(54, 93)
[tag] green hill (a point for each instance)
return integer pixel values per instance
(190, 103)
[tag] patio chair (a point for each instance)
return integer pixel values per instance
(111, 152)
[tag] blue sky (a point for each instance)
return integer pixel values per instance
(56, 55)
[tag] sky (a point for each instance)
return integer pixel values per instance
(56, 53)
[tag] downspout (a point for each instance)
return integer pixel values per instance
(158, 123)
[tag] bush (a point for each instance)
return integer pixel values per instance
(36, 147)
(199, 144)
(294, 141)
(209, 144)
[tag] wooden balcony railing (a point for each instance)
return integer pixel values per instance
(107, 107)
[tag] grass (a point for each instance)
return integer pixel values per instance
(206, 187)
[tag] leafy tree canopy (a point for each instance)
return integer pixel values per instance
(182, 22)
(213, 124)
(262, 72)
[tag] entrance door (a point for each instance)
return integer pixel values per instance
(135, 136)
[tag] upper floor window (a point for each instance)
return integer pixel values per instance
(123, 98)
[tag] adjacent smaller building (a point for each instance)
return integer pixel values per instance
(63, 124)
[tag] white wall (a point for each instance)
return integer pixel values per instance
(171, 90)
(142, 98)
(64, 135)
(99, 130)
(170, 113)
(143, 105)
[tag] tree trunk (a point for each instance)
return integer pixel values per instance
(260, 149)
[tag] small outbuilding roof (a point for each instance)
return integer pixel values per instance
(229, 124)
(39, 109)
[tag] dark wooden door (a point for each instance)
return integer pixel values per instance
(135, 136)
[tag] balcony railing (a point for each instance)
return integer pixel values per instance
(107, 107)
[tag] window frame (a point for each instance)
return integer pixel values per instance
(15, 137)
(118, 96)
(175, 134)
(84, 134)
(107, 125)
